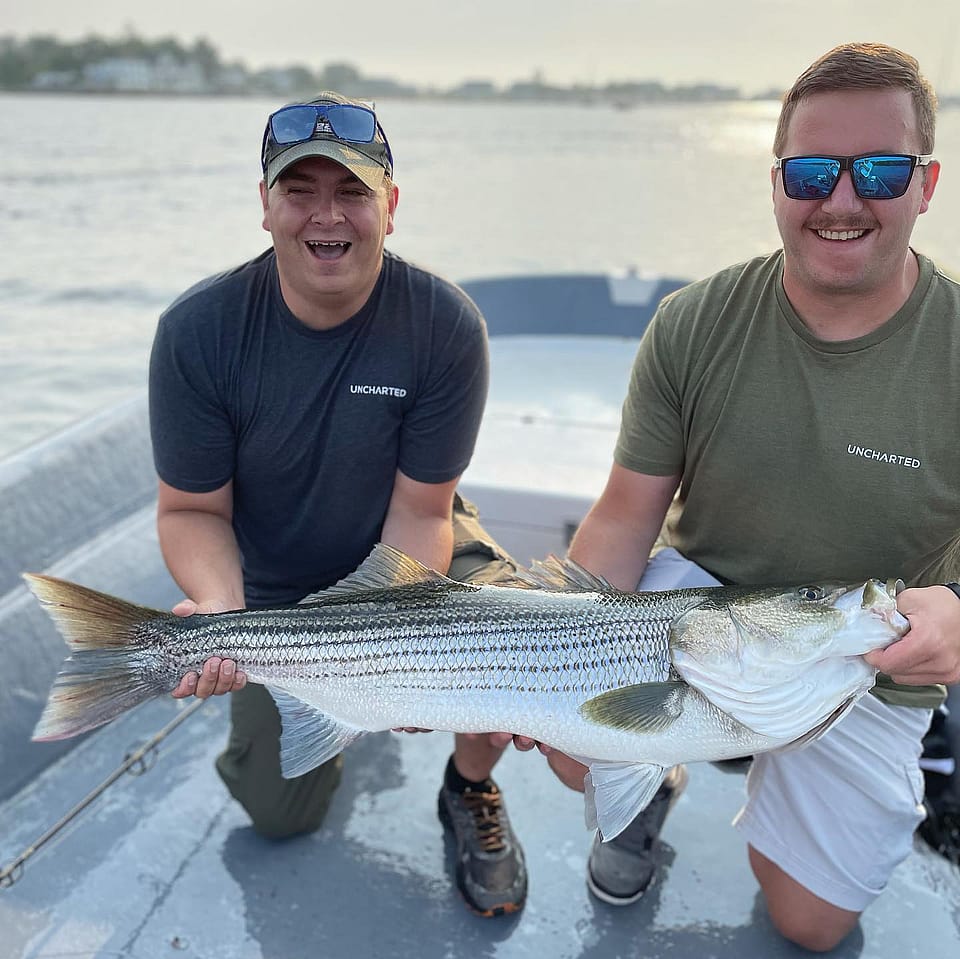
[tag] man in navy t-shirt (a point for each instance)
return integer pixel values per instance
(304, 406)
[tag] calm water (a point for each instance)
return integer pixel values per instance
(109, 207)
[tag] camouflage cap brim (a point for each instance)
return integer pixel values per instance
(364, 168)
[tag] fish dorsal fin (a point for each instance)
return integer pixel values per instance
(614, 793)
(385, 568)
(309, 737)
(564, 576)
(642, 708)
(515, 576)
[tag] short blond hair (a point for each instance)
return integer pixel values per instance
(863, 66)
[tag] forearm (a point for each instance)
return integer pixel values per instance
(615, 538)
(200, 550)
(609, 548)
(428, 539)
(419, 521)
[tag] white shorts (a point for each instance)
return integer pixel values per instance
(668, 569)
(838, 815)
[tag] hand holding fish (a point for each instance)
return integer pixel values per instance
(498, 740)
(523, 743)
(568, 770)
(218, 676)
(930, 651)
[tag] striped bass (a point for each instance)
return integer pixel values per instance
(628, 683)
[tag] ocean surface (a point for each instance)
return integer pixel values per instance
(111, 206)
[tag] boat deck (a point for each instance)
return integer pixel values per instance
(164, 863)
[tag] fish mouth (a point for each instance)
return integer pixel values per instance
(879, 599)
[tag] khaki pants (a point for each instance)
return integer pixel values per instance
(250, 765)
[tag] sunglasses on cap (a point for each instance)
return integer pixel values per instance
(345, 121)
(876, 176)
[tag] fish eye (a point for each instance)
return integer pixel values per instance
(810, 592)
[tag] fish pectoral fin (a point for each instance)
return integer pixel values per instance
(642, 708)
(616, 792)
(385, 568)
(308, 737)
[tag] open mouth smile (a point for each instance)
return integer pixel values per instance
(328, 249)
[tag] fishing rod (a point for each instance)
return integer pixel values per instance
(136, 763)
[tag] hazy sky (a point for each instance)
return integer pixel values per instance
(752, 44)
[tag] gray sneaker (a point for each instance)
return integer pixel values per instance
(620, 871)
(491, 873)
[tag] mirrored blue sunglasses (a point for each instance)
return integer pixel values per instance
(345, 121)
(876, 176)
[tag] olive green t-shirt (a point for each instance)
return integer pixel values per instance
(803, 460)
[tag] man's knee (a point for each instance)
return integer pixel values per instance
(798, 914)
(250, 769)
(279, 808)
(805, 932)
(477, 557)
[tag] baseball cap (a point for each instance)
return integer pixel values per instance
(368, 161)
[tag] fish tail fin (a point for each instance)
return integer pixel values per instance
(104, 675)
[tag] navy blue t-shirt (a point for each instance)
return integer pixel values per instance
(312, 425)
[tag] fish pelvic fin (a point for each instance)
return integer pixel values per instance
(386, 568)
(642, 708)
(614, 793)
(104, 676)
(309, 737)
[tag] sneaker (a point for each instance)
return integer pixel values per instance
(941, 828)
(491, 874)
(620, 871)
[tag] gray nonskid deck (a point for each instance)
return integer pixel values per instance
(165, 864)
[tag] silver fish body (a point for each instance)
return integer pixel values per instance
(613, 678)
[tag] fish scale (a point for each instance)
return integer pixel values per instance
(599, 643)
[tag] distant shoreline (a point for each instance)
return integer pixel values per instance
(944, 103)
(135, 66)
(574, 99)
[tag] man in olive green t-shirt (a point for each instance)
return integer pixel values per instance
(792, 419)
